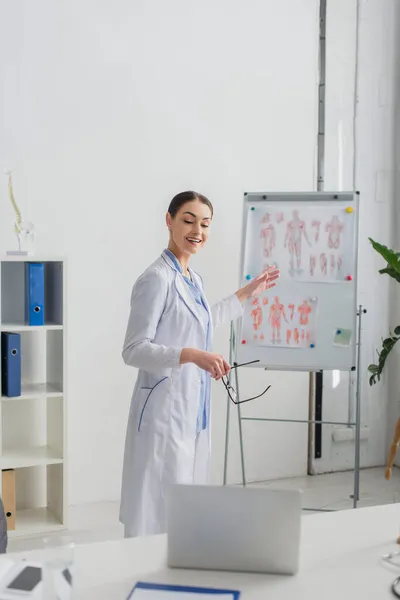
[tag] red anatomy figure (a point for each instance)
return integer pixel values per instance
(323, 263)
(316, 225)
(291, 307)
(296, 336)
(268, 234)
(313, 262)
(304, 310)
(256, 314)
(334, 228)
(276, 312)
(288, 336)
(333, 264)
(339, 263)
(295, 231)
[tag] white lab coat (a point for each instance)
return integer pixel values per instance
(161, 445)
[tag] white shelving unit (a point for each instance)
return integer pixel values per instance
(33, 434)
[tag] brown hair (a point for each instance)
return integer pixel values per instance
(180, 199)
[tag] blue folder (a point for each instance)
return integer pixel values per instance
(10, 364)
(34, 301)
(179, 588)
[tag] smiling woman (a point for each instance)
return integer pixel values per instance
(188, 227)
(169, 339)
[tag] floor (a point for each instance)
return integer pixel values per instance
(98, 522)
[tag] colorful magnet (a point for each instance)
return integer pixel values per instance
(312, 345)
(339, 332)
(349, 209)
(349, 277)
(252, 208)
(248, 277)
(243, 341)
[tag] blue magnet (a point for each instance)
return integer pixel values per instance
(312, 345)
(252, 208)
(338, 332)
(248, 277)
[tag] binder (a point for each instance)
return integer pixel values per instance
(10, 364)
(34, 301)
(144, 591)
(8, 497)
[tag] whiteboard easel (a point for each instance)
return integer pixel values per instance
(336, 297)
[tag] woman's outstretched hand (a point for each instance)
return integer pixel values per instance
(265, 281)
(215, 364)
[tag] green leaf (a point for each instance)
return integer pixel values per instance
(391, 272)
(391, 257)
(377, 370)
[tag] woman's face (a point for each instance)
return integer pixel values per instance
(190, 226)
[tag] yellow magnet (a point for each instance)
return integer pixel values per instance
(349, 209)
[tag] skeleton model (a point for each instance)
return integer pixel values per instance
(24, 230)
(276, 312)
(295, 231)
(334, 228)
(269, 235)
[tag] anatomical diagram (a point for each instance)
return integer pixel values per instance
(257, 317)
(304, 311)
(268, 235)
(334, 228)
(276, 313)
(316, 225)
(296, 230)
(285, 321)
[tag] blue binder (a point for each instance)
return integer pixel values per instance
(10, 364)
(34, 301)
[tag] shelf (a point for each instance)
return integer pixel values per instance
(35, 258)
(35, 390)
(16, 327)
(29, 457)
(33, 522)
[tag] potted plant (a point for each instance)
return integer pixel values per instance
(393, 270)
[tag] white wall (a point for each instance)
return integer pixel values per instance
(109, 110)
(375, 179)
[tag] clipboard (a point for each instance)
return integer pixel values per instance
(155, 591)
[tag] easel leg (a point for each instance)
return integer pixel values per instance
(240, 430)
(228, 409)
(356, 496)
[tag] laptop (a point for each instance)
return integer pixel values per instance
(234, 529)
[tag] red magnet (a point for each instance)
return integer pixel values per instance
(243, 341)
(349, 277)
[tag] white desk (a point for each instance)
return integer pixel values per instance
(340, 560)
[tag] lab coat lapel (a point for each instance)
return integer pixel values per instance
(183, 290)
(199, 285)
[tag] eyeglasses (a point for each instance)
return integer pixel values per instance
(231, 390)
